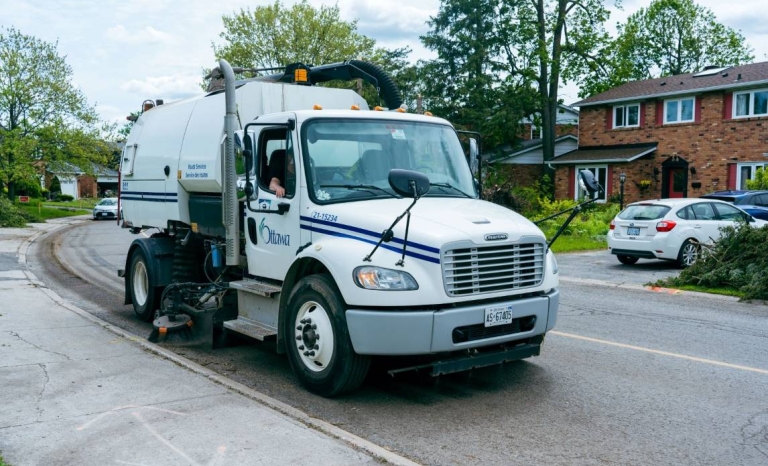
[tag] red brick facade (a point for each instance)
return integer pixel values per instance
(712, 145)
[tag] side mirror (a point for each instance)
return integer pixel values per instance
(408, 183)
(474, 153)
(588, 183)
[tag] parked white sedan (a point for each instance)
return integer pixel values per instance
(671, 229)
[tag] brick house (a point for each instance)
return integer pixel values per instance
(524, 164)
(676, 136)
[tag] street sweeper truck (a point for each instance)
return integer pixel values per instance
(291, 213)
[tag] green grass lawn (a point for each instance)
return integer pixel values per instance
(573, 243)
(78, 204)
(2, 461)
(42, 213)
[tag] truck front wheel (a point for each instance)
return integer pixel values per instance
(143, 295)
(316, 335)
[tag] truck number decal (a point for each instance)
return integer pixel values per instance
(325, 217)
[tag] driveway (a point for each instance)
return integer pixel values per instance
(602, 266)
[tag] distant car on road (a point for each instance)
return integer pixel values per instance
(671, 229)
(106, 208)
(754, 203)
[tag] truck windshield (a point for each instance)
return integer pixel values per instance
(350, 160)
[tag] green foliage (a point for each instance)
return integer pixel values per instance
(760, 181)
(28, 187)
(44, 118)
(10, 215)
(737, 261)
(64, 198)
(668, 37)
(275, 35)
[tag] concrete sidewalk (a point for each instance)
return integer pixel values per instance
(75, 390)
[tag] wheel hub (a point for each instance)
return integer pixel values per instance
(312, 323)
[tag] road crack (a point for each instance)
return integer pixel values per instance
(14, 334)
(42, 392)
(755, 433)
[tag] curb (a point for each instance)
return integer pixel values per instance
(378, 452)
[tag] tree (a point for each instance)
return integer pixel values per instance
(668, 37)
(481, 79)
(44, 119)
(274, 35)
(502, 60)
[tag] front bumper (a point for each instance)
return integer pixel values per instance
(104, 214)
(403, 332)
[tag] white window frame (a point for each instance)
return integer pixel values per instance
(595, 169)
(741, 182)
(624, 109)
(680, 110)
(750, 104)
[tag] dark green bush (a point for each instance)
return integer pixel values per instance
(739, 260)
(10, 216)
(64, 198)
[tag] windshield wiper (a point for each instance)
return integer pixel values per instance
(360, 186)
(450, 186)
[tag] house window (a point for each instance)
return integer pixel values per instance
(679, 110)
(747, 171)
(626, 116)
(752, 103)
(601, 176)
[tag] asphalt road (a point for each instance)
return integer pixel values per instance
(629, 376)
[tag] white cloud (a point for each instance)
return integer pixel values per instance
(169, 87)
(146, 35)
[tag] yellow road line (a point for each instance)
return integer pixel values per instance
(662, 353)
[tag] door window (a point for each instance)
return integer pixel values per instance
(703, 211)
(730, 213)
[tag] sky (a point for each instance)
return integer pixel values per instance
(124, 52)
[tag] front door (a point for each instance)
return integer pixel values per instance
(678, 180)
(273, 238)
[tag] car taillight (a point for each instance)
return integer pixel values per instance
(666, 225)
(613, 225)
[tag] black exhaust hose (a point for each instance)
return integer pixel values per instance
(387, 88)
(347, 71)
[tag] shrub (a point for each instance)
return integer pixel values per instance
(10, 215)
(760, 181)
(64, 198)
(28, 187)
(737, 261)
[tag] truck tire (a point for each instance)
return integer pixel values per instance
(317, 339)
(143, 295)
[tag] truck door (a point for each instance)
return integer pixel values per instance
(272, 237)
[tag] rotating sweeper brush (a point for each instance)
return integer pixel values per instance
(187, 315)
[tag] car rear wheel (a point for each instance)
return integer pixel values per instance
(689, 252)
(627, 260)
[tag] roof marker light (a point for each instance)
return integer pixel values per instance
(355, 107)
(317, 107)
(427, 113)
(378, 109)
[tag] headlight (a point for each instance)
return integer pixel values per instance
(553, 263)
(376, 278)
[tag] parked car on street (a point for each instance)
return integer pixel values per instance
(754, 203)
(106, 208)
(671, 229)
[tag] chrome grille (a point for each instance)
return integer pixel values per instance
(489, 269)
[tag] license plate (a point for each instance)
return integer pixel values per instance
(633, 231)
(498, 316)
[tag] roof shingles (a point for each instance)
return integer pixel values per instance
(734, 77)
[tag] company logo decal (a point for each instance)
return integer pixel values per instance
(271, 236)
(496, 237)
